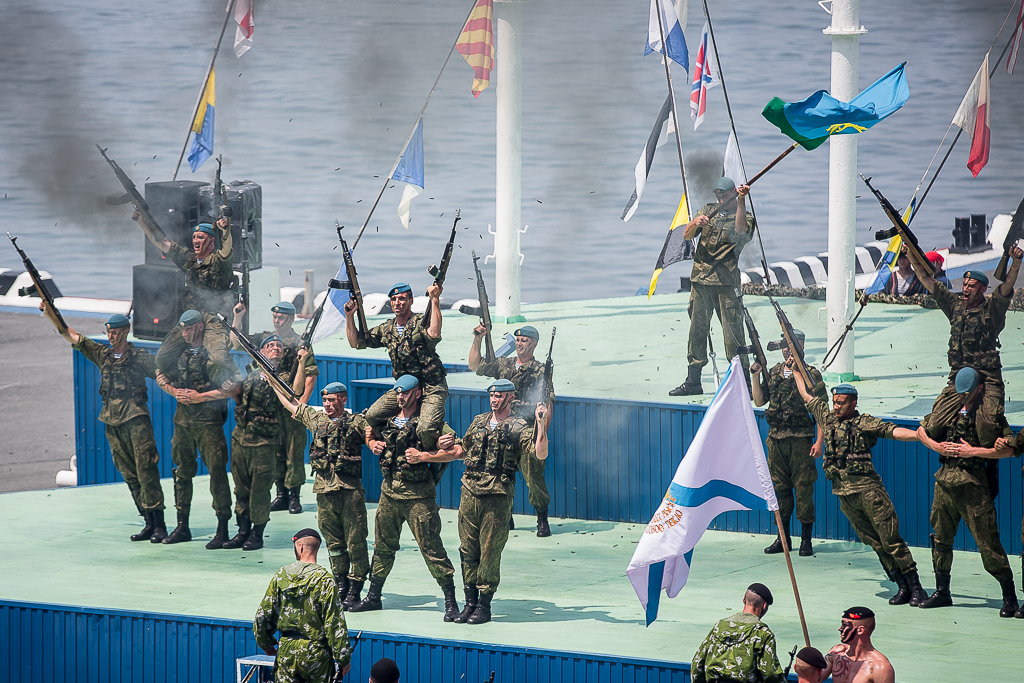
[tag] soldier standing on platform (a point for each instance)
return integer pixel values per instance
(527, 374)
(123, 372)
(793, 442)
(715, 279)
(291, 467)
(740, 647)
(962, 491)
(849, 438)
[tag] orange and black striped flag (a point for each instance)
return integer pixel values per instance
(476, 44)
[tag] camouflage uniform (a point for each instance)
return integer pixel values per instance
(791, 433)
(412, 353)
(739, 648)
(973, 342)
(492, 457)
(200, 427)
(302, 603)
(336, 458)
(407, 495)
(862, 495)
(254, 446)
(126, 416)
(715, 284)
(529, 380)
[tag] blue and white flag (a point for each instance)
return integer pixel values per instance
(410, 172)
(332, 320)
(673, 20)
(724, 469)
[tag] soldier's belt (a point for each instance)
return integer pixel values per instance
(294, 635)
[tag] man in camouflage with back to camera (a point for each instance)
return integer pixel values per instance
(123, 372)
(963, 490)
(849, 437)
(740, 647)
(336, 458)
(302, 603)
(290, 468)
(793, 442)
(527, 374)
(715, 279)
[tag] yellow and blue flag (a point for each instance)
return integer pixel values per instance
(202, 126)
(888, 261)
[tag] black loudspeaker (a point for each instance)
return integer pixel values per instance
(245, 198)
(157, 291)
(175, 205)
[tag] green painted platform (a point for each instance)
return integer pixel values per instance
(567, 592)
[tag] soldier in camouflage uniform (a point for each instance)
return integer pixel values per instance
(336, 458)
(974, 326)
(740, 647)
(291, 467)
(962, 492)
(1017, 444)
(527, 374)
(793, 443)
(201, 387)
(408, 494)
(849, 438)
(301, 603)
(715, 279)
(123, 372)
(412, 347)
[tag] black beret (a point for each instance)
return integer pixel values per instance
(761, 590)
(385, 671)
(813, 657)
(306, 533)
(858, 613)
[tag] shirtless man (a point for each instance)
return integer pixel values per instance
(855, 659)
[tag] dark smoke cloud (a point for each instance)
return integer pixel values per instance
(703, 168)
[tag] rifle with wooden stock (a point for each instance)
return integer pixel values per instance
(269, 370)
(794, 347)
(131, 194)
(440, 272)
(351, 284)
(1013, 235)
(485, 314)
(37, 285)
(899, 227)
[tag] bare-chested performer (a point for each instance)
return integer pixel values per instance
(855, 659)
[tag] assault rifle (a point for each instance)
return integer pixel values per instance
(1015, 233)
(37, 285)
(440, 272)
(914, 252)
(485, 314)
(792, 656)
(794, 347)
(549, 371)
(351, 284)
(268, 369)
(131, 194)
(755, 349)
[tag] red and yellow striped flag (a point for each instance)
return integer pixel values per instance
(476, 44)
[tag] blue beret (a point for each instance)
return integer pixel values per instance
(271, 338)
(284, 307)
(501, 385)
(528, 331)
(844, 390)
(190, 317)
(398, 288)
(724, 184)
(335, 388)
(406, 383)
(976, 275)
(966, 380)
(117, 321)
(204, 227)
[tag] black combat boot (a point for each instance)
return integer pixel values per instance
(146, 532)
(806, 549)
(181, 532)
(294, 506)
(511, 523)
(902, 596)
(221, 536)
(280, 501)
(482, 613)
(691, 387)
(159, 526)
(355, 588)
(239, 539)
(1020, 612)
(1010, 604)
(255, 541)
(372, 600)
(776, 546)
(543, 528)
(341, 583)
(472, 598)
(941, 597)
(451, 605)
(917, 593)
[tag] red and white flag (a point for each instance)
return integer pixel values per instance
(1018, 33)
(973, 117)
(245, 20)
(705, 75)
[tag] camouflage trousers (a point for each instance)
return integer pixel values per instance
(972, 503)
(134, 451)
(705, 299)
(483, 532)
(989, 415)
(208, 439)
(873, 517)
(793, 470)
(425, 524)
(291, 456)
(302, 661)
(428, 426)
(252, 469)
(532, 469)
(216, 339)
(341, 517)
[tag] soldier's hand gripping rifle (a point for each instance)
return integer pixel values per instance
(352, 285)
(440, 272)
(38, 286)
(485, 314)
(1013, 235)
(914, 252)
(754, 348)
(269, 370)
(131, 194)
(794, 347)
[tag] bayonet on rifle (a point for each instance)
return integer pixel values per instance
(914, 252)
(37, 284)
(440, 272)
(351, 284)
(148, 223)
(485, 314)
(1013, 235)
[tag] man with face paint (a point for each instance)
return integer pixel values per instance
(848, 440)
(793, 442)
(123, 372)
(527, 374)
(962, 492)
(855, 659)
(740, 647)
